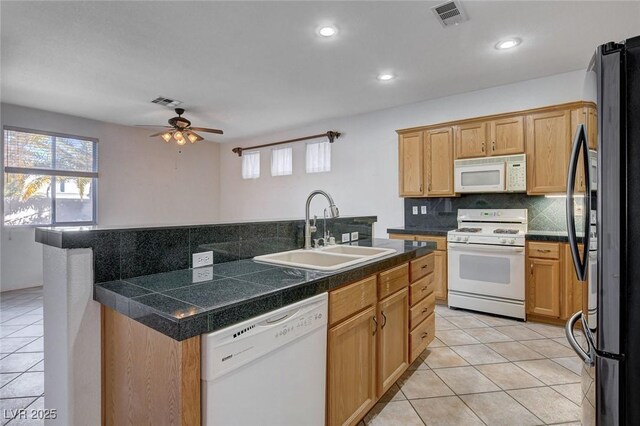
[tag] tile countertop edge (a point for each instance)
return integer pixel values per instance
(441, 232)
(238, 311)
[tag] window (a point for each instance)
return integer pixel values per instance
(281, 161)
(318, 157)
(251, 165)
(49, 179)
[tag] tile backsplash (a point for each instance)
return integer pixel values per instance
(545, 214)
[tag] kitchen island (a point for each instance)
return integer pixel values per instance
(135, 355)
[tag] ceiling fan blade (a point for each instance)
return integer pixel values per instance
(158, 134)
(204, 129)
(153, 125)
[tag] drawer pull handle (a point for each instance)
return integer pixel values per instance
(424, 335)
(384, 320)
(425, 310)
(423, 288)
(425, 266)
(375, 322)
(544, 250)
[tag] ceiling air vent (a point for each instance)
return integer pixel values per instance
(161, 100)
(450, 13)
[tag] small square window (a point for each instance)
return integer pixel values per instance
(318, 157)
(281, 161)
(251, 165)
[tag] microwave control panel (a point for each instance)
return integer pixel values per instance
(516, 176)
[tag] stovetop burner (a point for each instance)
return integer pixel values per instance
(505, 231)
(468, 229)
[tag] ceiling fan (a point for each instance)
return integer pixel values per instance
(181, 130)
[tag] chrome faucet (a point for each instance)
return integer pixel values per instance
(308, 228)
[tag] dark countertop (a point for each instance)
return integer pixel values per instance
(551, 236)
(175, 306)
(439, 231)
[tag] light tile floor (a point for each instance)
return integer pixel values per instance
(486, 370)
(21, 354)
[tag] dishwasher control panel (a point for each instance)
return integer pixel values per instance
(237, 345)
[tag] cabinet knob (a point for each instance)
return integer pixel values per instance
(493, 146)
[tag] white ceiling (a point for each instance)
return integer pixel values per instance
(256, 67)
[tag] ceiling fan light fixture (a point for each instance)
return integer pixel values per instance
(193, 138)
(178, 136)
(167, 136)
(181, 141)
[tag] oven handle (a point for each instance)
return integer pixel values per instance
(485, 248)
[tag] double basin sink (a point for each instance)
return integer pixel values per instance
(330, 258)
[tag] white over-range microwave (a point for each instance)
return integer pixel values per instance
(506, 173)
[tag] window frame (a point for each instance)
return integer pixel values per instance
(53, 173)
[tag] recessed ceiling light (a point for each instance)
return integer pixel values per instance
(327, 31)
(386, 77)
(508, 44)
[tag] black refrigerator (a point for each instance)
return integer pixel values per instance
(603, 221)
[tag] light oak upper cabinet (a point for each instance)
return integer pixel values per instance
(410, 155)
(506, 136)
(592, 128)
(438, 158)
(548, 143)
(352, 369)
(471, 140)
(393, 339)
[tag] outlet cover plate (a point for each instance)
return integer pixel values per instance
(423, 209)
(345, 238)
(354, 236)
(202, 274)
(415, 209)
(204, 258)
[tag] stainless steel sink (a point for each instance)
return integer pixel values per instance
(329, 258)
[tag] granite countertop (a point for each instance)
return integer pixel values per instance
(440, 231)
(552, 236)
(172, 304)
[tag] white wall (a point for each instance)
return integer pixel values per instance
(141, 181)
(364, 176)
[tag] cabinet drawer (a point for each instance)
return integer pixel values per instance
(406, 237)
(421, 336)
(350, 299)
(544, 250)
(421, 267)
(422, 310)
(393, 280)
(421, 288)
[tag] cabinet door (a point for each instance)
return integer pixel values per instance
(440, 274)
(411, 157)
(571, 287)
(506, 136)
(393, 339)
(592, 128)
(439, 162)
(351, 387)
(544, 287)
(471, 140)
(579, 116)
(548, 150)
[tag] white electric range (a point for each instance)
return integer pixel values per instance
(486, 261)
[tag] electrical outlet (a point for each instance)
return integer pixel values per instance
(202, 259)
(354, 236)
(423, 209)
(202, 274)
(415, 209)
(345, 238)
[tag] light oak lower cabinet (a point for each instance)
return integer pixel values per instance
(393, 339)
(368, 339)
(351, 368)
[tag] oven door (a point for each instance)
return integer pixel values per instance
(487, 270)
(480, 178)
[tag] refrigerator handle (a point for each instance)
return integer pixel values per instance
(587, 357)
(580, 143)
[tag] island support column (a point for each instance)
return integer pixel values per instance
(72, 330)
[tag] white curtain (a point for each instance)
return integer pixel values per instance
(318, 157)
(251, 165)
(281, 161)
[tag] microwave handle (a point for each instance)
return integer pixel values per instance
(579, 144)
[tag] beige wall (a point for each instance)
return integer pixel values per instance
(142, 181)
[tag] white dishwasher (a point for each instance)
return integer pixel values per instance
(269, 370)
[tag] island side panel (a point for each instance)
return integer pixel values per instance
(149, 378)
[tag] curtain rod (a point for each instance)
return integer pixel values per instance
(331, 135)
